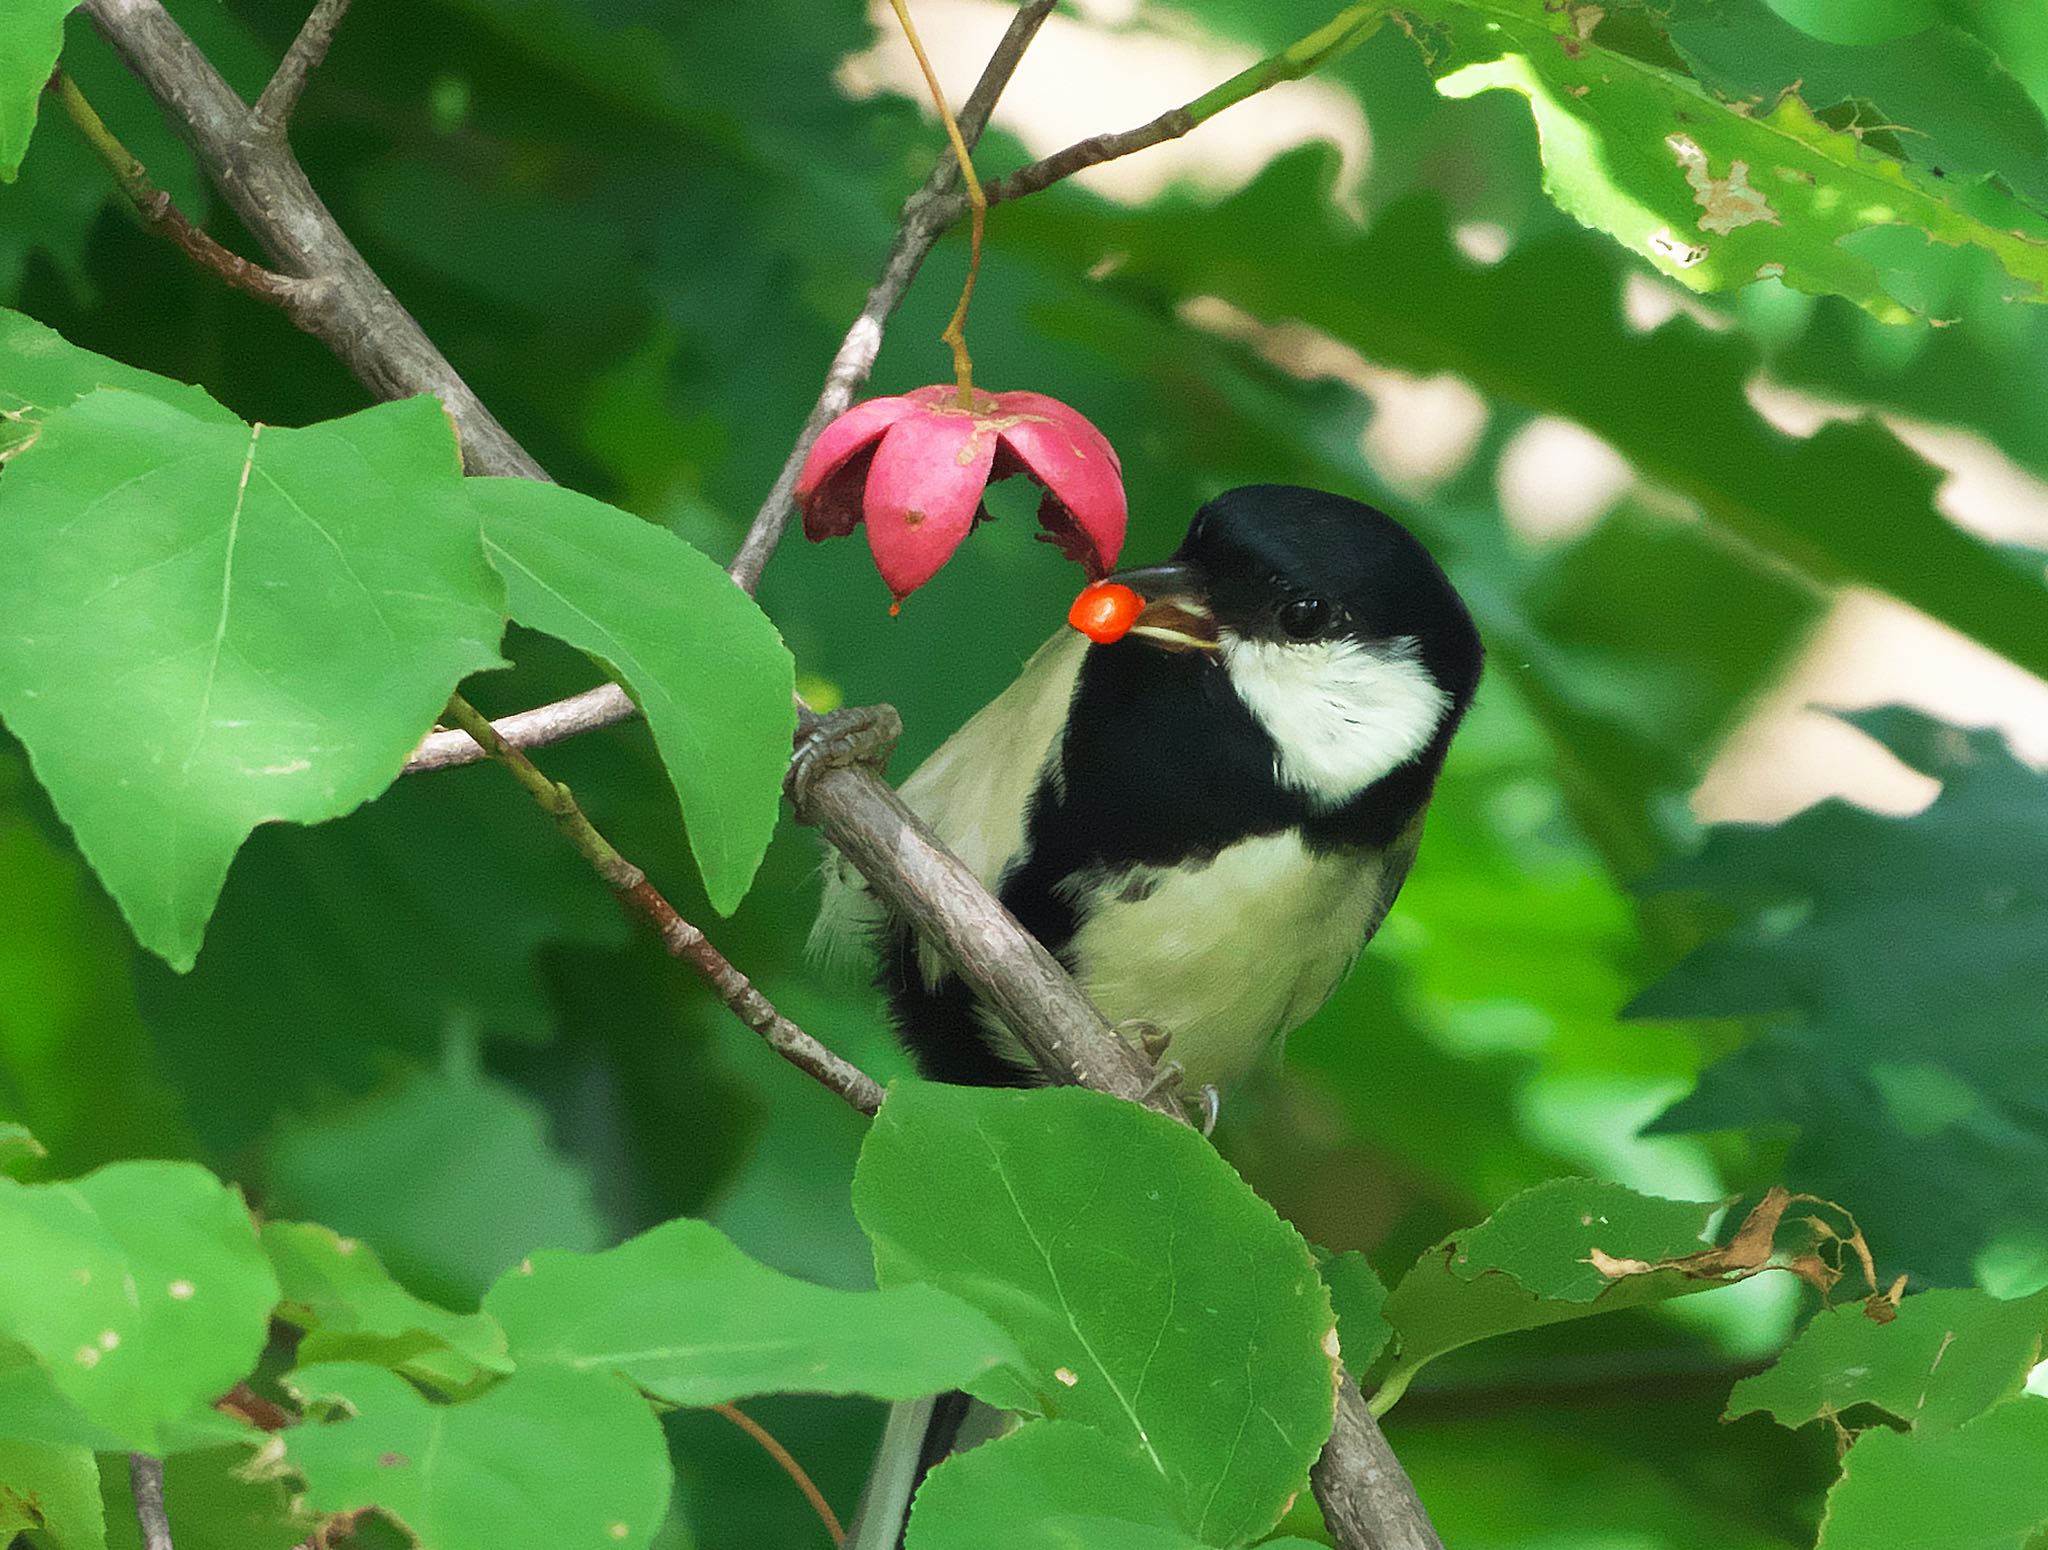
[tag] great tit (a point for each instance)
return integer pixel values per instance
(1208, 819)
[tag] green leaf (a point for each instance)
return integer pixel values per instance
(693, 1321)
(1940, 95)
(1533, 1262)
(129, 1300)
(1154, 1296)
(547, 1458)
(1897, 959)
(31, 36)
(1948, 1356)
(696, 653)
(450, 1174)
(1713, 195)
(216, 1499)
(1358, 1295)
(339, 1293)
(40, 373)
(1980, 1487)
(216, 627)
(1050, 1485)
(54, 1491)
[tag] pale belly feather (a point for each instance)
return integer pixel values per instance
(1228, 958)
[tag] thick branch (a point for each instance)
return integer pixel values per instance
(682, 939)
(932, 888)
(146, 1480)
(1366, 1496)
(274, 108)
(354, 315)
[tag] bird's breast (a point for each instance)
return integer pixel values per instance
(1229, 955)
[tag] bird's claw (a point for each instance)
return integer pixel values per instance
(1164, 1080)
(860, 734)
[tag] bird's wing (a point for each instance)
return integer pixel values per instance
(975, 792)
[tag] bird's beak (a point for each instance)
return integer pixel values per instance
(1177, 615)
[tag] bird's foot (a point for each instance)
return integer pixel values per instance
(860, 734)
(1166, 1079)
(1147, 1035)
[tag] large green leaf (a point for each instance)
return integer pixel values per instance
(1947, 1356)
(53, 1491)
(31, 34)
(549, 1459)
(1052, 1485)
(1563, 1250)
(213, 627)
(699, 658)
(693, 1321)
(129, 1301)
(1401, 294)
(450, 1174)
(338, 1292)
(1983, 1486)
(1715, 195)
(1152, 1294)
(1899, 962)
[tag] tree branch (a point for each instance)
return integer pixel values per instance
(354, 314)
(1368, 1501)
(273, 109)
(682, 939)
(146, 1480)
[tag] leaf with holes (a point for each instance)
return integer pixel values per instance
(129, 1300)
(211, 627)
(569, 1460)
(696, 653)
(1949, 1355)
(1714, 194)
(1979, 1487)
(1154, 1296)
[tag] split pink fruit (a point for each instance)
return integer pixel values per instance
(913, 468)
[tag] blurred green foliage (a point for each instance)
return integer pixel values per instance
(640, 229)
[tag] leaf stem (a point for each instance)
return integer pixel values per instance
(977, 202)
(790, 1467)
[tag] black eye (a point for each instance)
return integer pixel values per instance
(1303, 617)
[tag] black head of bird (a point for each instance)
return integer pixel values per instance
(1207, 819)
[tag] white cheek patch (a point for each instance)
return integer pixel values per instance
(1341, 713)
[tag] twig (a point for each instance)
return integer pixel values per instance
(682, 939)
(790, 1467)
(146, 1480)
(352, 313)
(156, 207)
(1305, 56)
(273, 109)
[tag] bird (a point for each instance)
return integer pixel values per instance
(1207, 819)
